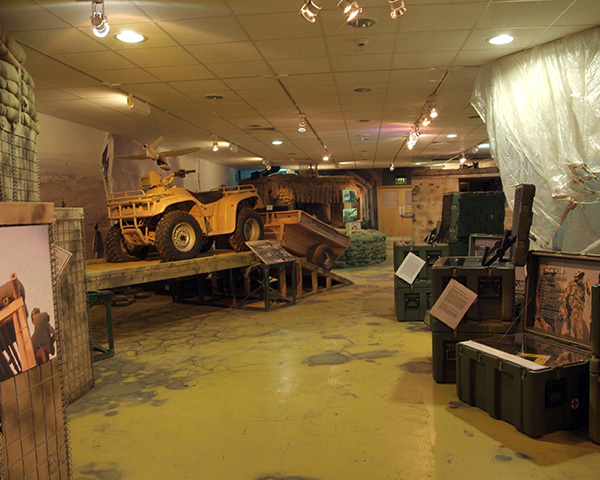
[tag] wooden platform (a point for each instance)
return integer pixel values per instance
(103, 275)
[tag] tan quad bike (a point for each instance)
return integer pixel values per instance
(178, 223)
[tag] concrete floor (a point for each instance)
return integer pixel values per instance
(333, 388)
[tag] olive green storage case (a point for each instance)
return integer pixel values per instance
(429, 253)
(411, 301)
(539, 379)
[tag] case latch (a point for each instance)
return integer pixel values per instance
(479, 357)
(523, 374)
(500, 365)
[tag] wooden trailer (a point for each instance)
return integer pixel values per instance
(306, 236)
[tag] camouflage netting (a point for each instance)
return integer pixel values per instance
(287, 189)
(367, 247)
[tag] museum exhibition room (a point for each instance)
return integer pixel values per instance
(299, 239)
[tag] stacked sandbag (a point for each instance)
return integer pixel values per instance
(367, 247)
(17, 99)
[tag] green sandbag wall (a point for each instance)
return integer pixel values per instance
(367, 247)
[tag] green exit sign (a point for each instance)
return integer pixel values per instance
(401, 180)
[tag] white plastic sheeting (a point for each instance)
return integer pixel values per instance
(542, 112)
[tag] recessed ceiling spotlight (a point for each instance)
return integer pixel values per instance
(276, 142)
(361, 23)
(325, 158)
(452, 135)
(214, 97)
(501, 39)
(362, 89)
(484, 145)
(364, 120)
(128, 36)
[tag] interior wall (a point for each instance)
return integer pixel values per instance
(427, 195)
(70, 158)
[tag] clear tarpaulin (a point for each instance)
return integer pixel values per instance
(542, 112)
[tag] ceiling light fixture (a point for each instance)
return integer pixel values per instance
(302, 124)
(128, 36)
(452, 135)
(309, 11)
(99, 21)
(276, 142)
(325, 158)
(392, 167)
(349, 8)
(501, 39)
(398, 8)
(215, 147)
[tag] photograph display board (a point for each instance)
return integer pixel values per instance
(27, 323)
(563, 304)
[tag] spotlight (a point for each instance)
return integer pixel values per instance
(398, 8)
(463, 159)
(309, 11)
(99, 21)
(302, 124)
(325, 158)
(433, 113)
(351, 9)
(426, 121)
(392, 167)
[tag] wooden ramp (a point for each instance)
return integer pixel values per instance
(312, 279)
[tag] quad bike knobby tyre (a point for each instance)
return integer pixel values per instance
(321, 255)
(118, 250)
(178, 236)
(249, 227)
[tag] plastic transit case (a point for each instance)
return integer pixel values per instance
(538, 379)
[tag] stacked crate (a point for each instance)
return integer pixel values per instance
(413, 300)
(466, 213)
(492, 314)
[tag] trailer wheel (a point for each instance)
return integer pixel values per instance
(118, 250)
(178, 236)
(249, 227)
(321, 255)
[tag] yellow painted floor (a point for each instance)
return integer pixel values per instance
(333, 388)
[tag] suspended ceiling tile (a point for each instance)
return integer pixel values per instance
(125, 76)
(159, 57)
(205, 30)
(162, 11)
(239, 69)
(373, 44)
(583, 12)
(521, 14)
(225, 52)
(457, 16)
(441, 41)
(423, 60)
(293, 48)
(150, 88)
(300, 66)
(24, 15)
(184, 72)
(61, 40)
(97, 61)
(277, 26)
(351, 63)
(208, 86)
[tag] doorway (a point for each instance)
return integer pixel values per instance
(395, 212)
